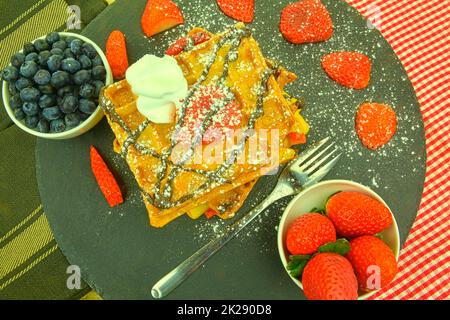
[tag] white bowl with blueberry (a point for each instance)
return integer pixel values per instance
(52, 85)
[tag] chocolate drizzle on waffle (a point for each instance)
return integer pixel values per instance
(162, 198)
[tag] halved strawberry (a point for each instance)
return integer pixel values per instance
(179, 46)
(306, 21)
(160, 15)
(241, 10)
(348, 68)
(105, 179)
(225, 120)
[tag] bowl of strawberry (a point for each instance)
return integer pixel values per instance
(51, 87)
(338, 240)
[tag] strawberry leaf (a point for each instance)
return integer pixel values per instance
(379, 236)
(340, 246)
(296, 264)
(317, 210)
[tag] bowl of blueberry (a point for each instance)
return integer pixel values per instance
(52, 85)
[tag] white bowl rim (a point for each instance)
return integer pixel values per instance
(280, 239)
(71, 132)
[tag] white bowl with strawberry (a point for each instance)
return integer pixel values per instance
(339, 240)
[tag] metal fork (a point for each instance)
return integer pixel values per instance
(307, 169)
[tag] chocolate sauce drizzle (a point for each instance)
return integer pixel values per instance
(162, 199)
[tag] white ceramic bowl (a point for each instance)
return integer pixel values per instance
(83, 127)
(315, 197)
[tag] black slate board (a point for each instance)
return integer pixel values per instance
(122, 257)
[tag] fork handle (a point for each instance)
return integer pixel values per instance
(174, 278)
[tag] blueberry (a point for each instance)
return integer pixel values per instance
(97, 61)
(76, 46)
(72, 120)
(70, 65)
(68, 54)
(57, 52)
(31, 121)
(10, 73)
(69, 40)
(43, 126)
(83, 116)
(17, 59)
(54, 63)
(18, 113)
(57, 126)
(30, 108)
(99, 73)
(33, 56)
(60, 79)
(87, 91)
(42, 77)
(98, 87)
(87, 106)
(86, 63)
(81, 77)
(47, 89)
(61, 44)
(12, 88)
(69, 104)
(89, 50)
(52, 37)
(65, 91)
(15, 101)
(47, 101)
(51, 113)
(43, 58)
(30, 94)
(41, 45)
(28, 48)
(22, 83)
(29, 69)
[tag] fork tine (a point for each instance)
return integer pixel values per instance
(322, 172)
(311, 161)
(318, 164)
(309, 152)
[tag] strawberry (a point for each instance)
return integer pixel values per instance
(105, 179)
(159, 16)
(350, 69)
(329, 276)
(241, 10)
(179, 46)
(308, 232)
(376, 124)
(354, 214)
(116, 53)
(306, 21)
(367, 254)
(226, 119)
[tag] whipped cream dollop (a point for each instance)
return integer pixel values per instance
(160, 86)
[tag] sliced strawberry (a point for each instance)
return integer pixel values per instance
(350, 69)
(116, 53)
(241, 10)
(210, 213)
(226, 119)
(159, 16)
(306, 21)
(296, 138)
(105, 179)
(179, 46)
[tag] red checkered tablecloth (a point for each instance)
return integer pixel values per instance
(419, 32)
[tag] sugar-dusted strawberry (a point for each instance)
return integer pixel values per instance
(159, 16)
(306, 21)
(373, 261)
(375, 124)
(329, 276)
(348, 68)
(308, 232)
(105, 179)
(116, 53)
(241, 10)
(207, 106)
(181, 44)
(354, 214)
